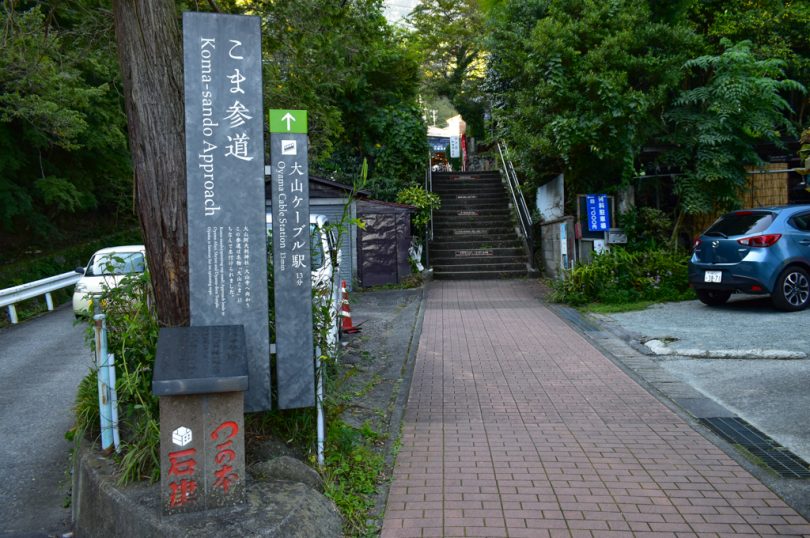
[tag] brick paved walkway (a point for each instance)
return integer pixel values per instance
(517, 426)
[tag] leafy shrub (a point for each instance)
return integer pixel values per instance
(622, 276)
(132, 331)
(647, 228)
(426, 202)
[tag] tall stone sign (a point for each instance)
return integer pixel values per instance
(295, 367)
(225, 184)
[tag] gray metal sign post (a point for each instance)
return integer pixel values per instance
(225, 183)
(295, 369)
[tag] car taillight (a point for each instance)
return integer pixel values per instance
(765, 240)
(696, 244)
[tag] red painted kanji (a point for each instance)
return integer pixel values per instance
(182, 463)
(224, 474)
(182, 492)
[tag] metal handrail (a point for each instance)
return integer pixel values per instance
(524, 217)
(10, 296)
(429, 229)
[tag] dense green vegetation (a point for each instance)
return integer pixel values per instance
(583, 87)
(64, 161)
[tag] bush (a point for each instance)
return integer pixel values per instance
(622, 276)
(647, 228)
(426, 202)
(132, 331)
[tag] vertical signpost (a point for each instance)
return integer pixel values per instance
(295, 369)
(225, 185)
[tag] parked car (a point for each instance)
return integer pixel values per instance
(107, 267)
(758, 251)
(325, 259)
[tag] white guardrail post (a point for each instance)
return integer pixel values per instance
(10, 296)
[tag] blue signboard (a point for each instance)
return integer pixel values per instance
(438, 144)
(597, 212)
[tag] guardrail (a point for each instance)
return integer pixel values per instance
(10, 296)
(524, 217)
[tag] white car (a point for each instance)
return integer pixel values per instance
(106, 268)
(324, 271)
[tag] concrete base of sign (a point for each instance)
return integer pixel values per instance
(102, 508)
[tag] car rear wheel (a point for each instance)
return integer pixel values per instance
(792, 291)
(713, 297)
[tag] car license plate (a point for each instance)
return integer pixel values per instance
(713, 276)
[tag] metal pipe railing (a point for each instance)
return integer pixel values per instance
(524, 217)
(10, 296)
(429, 229)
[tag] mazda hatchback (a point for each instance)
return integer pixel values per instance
(757, 251)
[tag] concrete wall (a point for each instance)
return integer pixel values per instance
(550, 245)
(550, 199)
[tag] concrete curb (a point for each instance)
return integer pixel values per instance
(659, 347)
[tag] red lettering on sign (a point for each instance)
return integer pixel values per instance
(228, 424)
(182, 492)
(182, 463)
(224, 474)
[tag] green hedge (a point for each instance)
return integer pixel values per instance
(620, 276)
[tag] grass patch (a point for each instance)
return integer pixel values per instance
(602, 308)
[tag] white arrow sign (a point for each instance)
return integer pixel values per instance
(288, 118)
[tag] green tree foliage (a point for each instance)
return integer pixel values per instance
(449, 37)
(716, 125)
(776, 29)
(351, 70)
(62, 132)
(581, 85)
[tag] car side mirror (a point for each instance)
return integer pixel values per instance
(79, 270)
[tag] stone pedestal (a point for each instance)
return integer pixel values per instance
(200, 376)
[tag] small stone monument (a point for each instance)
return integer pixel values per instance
(200, 376)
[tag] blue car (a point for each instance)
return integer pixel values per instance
(758, 251)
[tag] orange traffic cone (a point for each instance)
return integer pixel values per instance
(345, 313)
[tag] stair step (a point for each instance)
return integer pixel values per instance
(444, 212)
(466, 195)
(478, 275)
(479, 266)
(468, 186)
(475, 244)
(474, 203)
(507, 262)
(480, 252)
(493, 235)
(456, 221)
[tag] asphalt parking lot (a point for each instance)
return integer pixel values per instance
(746, 356)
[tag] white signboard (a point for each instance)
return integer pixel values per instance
(455, 147)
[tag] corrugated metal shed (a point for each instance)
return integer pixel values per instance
(328, 198)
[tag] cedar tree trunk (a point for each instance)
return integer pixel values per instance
(151, 59)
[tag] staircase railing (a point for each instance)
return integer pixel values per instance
(519, 202)
(429, 229)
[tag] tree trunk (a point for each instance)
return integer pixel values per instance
(151, 59)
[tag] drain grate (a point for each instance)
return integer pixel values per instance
(778, 458)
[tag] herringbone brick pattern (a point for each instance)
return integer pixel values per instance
(517, 426)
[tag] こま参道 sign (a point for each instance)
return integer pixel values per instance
(597, 211)
(227, 251)
(295, 368)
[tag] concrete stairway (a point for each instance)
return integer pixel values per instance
(474, 234)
